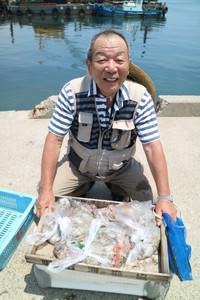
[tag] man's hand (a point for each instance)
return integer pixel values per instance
(50, 156)
(164, 206)
(45, 202)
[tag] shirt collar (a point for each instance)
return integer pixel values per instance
(92, 89)
(122, 95)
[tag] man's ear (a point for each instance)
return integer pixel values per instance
(89, 66)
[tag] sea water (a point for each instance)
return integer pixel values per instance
(39, 54)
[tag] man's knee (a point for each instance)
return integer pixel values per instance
(143, 191)
(76, 191)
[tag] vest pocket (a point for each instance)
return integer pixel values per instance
(121, 134)
(85, 121)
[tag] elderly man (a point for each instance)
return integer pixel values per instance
(103, 113)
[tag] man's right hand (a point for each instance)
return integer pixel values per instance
(50, 156)
(45, 202)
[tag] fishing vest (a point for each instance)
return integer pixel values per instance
(95, 150)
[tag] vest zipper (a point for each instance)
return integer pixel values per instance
(100, 141)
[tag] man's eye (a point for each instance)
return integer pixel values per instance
(120, 61)
(101, 61)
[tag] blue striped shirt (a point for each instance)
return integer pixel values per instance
(145, 117)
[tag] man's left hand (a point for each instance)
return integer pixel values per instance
(165, 206)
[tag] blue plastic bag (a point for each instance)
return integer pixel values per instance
(178, 251)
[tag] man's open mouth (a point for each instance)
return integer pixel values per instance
(111, 79)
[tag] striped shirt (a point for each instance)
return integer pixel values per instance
(145, 117)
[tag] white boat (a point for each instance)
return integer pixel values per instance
(133, 6)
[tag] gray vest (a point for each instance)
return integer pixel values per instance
(97, 151)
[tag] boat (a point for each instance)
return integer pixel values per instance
(154, 8)
(55, 8)
(131, 8)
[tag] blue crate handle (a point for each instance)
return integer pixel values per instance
(14, 200)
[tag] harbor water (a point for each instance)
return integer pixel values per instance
(38, 54)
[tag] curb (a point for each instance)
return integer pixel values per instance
(179, 106)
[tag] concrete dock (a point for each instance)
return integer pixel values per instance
(22, 140)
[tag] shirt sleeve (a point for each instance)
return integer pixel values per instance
(146, 121)
(63, 114)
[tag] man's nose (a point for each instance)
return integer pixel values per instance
(111, 66)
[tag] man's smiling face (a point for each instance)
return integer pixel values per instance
(109, 65)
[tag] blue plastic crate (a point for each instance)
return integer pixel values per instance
(16, 214)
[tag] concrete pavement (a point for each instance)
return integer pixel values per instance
(20, 154)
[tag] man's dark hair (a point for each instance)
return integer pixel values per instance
(108, 32)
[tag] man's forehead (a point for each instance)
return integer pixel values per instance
(102, 49)
(110, 42)
(105, 51)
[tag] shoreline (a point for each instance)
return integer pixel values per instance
(168, 100)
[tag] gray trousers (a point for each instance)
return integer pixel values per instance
(128, 181)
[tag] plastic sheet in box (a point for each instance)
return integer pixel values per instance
(16, 214)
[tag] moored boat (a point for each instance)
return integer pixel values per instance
(46, 8)
(131, 8)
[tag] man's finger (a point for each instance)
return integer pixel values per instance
(158, 214)
(174, 213)
(40, 210)
(49, 208)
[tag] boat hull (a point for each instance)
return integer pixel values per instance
(104, 10)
